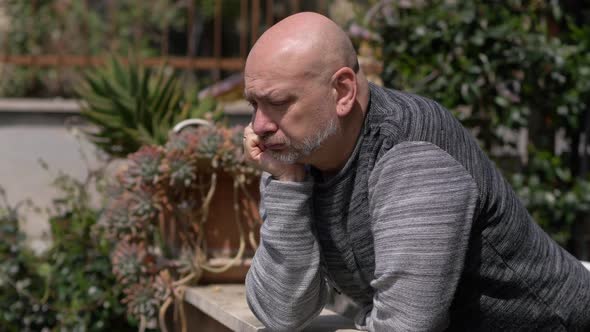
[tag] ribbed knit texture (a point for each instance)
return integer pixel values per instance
(420, 229)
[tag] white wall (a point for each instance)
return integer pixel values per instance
(26, 138)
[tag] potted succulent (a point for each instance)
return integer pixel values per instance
(182, 213)
(183, 207)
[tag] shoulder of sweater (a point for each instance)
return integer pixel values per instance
(423, 161)
(396, 116)
(417, 152)
(386, 99)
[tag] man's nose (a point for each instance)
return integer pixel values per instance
(263, 125)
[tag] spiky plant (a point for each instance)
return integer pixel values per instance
(210, 141)
(181, 168)
(142, 302)
(116, 219)
(143, 167)
(132, 105)
(186, 140)
(162, 285)
(129, 262)
(144, 205)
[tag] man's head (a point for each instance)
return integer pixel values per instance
(302, 78)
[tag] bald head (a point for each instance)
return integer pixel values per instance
(305, 43)
(308, 95)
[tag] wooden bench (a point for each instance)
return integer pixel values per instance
(220, 308)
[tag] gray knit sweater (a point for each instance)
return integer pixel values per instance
(420, 229)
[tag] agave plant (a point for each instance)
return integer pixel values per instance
(132, 105)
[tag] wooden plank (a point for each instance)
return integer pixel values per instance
(53, 60)
(227, 304)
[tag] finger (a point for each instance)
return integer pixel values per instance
(251, 143)
(248, 130)
(250, 136)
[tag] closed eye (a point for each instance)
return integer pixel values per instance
(281, 101)
(278, 102)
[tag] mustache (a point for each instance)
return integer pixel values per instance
(271, 140)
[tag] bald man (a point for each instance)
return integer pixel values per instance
(384, 196)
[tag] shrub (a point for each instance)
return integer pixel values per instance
(504, 69)
(70, 287)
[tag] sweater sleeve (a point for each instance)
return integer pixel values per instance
(284, 286)
(422, 204)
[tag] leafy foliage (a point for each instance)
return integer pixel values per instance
(68, 288)
(504, 69)
(79, 28)
(131, 106)
(19, 278)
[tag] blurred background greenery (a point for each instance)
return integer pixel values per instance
(516, 73)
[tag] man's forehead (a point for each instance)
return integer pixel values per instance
(266, 80)
(289, 59)
(257, 91)
(270, 78)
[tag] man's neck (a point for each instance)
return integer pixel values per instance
(334, 154)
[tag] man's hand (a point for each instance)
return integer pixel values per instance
(254, 154)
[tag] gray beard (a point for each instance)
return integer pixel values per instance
(309, 144)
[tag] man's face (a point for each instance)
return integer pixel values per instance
(293, 115)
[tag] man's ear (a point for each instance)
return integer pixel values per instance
(344, 84)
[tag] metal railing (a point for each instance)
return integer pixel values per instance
(254, 17)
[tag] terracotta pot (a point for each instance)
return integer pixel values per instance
(222, 233)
